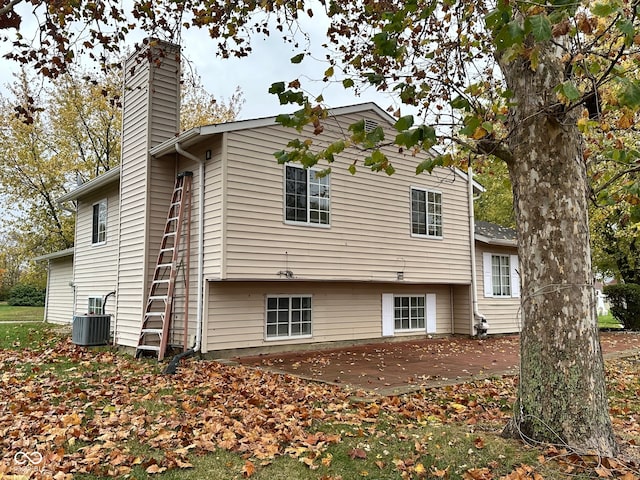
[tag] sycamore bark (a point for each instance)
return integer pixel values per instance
(562, 395)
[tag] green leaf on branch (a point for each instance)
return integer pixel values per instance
(471, 124)
(626, 27)
(423, 137)
(276, 88)
(570, 91)
(379, 162)
(404, 123)
(511, 34)
(460, 103)
(430, 163)
(538, 26)
(298, 58)
(347, 83)
(603, 9)
(630, 95)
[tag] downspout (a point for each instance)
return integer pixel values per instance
(479, 320)
(171, 368)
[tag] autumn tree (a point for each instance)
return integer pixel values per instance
(514, 80)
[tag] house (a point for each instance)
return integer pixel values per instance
(277, 257)
(498, 280)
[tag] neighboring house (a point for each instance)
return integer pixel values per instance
(280, 257)
(498, 278)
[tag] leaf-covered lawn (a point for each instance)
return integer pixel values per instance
(98, 413)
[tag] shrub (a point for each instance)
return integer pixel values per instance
(625, 304)
(24, 295)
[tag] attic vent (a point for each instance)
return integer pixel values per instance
(370, 125)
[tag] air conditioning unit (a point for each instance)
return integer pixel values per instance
(91, 330)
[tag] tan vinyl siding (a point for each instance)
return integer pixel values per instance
(503, 314)
(340, 311)
(95, 272)
(370, 233)
(59, 307)
(462, 310)
(213, 206)
(151, 103)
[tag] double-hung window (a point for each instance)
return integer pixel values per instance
(307, 196)
(501, 275)
(99, 228)
(288, 316)
(426, 213)
(501, 278)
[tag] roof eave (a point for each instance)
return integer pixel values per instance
(503, 242)
(190, 137)
(85, 189)
(59, 254)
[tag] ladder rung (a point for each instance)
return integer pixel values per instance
(155, 282)
(164, 265)
(155, 331)
(154, 314)
(158, 297)
(154, 348)
(170, 234)
(165, 250)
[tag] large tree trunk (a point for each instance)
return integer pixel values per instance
(562, 395)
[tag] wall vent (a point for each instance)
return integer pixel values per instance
(370, 125)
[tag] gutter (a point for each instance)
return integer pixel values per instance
(199, 301)
(478, 318)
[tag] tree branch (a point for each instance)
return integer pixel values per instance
(487, 146)
(9, 7)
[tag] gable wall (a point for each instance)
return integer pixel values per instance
(369, 237)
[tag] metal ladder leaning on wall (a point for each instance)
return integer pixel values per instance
(156, 321)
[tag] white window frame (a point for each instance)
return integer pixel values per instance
(432, 219)
(514, 276)
(309, 199)
(95, 305)
(388, 314)
(291, 335)
(98, 226)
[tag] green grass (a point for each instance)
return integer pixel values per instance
(20, 314)
(26, 335)
(607, 321)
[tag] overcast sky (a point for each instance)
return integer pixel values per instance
(269, 63)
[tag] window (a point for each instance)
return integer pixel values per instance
(426, 213)
(99, 230)
(409, 313)
(501, 278)
(402, 313)
(306, 196)
(288, 316)
(501, 275)
(95, 307)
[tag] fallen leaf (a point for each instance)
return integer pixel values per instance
(357, 453)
